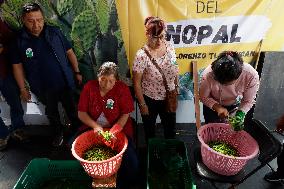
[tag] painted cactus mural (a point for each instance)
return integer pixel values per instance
(10, 12)
(89, 24)
(93, 28)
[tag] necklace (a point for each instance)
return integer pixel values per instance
(159, 52)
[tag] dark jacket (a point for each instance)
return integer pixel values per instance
(54, 38)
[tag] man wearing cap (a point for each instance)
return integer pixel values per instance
(44, 58)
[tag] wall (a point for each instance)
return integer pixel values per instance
(269, 104)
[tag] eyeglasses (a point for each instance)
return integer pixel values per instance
(29, 7)
(161, 37)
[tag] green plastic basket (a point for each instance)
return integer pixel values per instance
(168, 165)
(41, 170)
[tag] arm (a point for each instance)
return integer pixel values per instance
(87, 120)
(137, 78)
(177, 85)
(208, 101)
(174, 61)
(122, 120)
(126, 106)
(83, 106)
(204, 92)
(176, 82)
(74, 63)
(20, 79)
(250, 94)
(118, 126)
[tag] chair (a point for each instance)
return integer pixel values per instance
(269, 148)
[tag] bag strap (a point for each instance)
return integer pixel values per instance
(158, 67)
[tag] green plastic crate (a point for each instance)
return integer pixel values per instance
(41, 170)
(168, 166)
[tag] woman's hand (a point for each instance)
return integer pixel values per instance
(98, 128)
(25, 95)
(221, 111)
(79, 78)
(144, 110)
(87, 120)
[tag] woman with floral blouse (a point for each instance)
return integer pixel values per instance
(148, 81)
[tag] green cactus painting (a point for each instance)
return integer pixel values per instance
(89, 24)
(64, 6)
(93, 28)
(84, 28)
(11, 12)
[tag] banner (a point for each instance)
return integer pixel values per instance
(91, 26)
(200, 30)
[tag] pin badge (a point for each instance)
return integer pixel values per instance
(29, 53)
(109, 104)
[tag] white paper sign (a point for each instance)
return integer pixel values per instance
(33, 106)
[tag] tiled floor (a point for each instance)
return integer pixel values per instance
(17, 156)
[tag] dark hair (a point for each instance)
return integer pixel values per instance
(30, 7)
(154, 26)
(227, 67)
(108, 68)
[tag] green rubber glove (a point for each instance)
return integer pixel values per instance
(237, 122)
(240, 115)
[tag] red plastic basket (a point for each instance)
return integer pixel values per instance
(99, 169)
(223, 164)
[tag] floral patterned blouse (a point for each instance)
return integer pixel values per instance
(152, 81)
